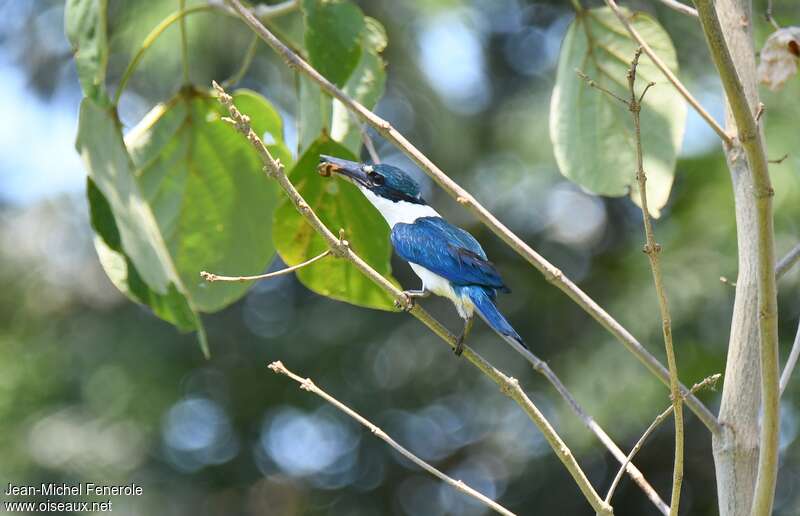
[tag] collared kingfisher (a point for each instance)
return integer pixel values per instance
(448, 260)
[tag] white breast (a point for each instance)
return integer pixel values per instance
(441, 287)
(396, 212)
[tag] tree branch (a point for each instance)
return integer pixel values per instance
(710, 381)
(308, 385)
(541, 367)
(749, 139)
(681, 8)
(210, 277)
(788, 261)
(705, 115)
(551, 273)
(653, 249)
(791, 362)
(340, 248)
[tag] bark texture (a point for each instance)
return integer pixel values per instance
(736, 447)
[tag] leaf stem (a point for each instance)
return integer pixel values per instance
(210, 277)
(551, 273)
(151, 38)
(184, 42)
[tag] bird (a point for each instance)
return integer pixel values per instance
(449, 260)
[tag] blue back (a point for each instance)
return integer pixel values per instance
(446, 250)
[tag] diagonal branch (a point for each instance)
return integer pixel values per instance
(788, 261)
(681, 8)
(310, 386)
(551, 273)
(341, 249)
(653, 249)
(705, 115)
(791, 362)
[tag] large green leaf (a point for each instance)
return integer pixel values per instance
(130, 244)
(339, 205)
(206, 188)
(365, 85)
(363, 78)
(314, 111)
(333, 37)
(592, 133)
(85, 27)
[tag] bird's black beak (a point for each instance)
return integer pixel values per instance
(351, 170)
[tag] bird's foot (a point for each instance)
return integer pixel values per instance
(459, 346)
(406, 304)
(461, 338)
(410, 297)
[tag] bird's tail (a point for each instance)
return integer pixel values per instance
(483, 299)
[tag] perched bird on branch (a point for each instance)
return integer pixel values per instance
(448, 260)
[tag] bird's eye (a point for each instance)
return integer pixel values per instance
(376, 178)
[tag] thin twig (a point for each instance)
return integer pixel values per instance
(780, 160)
(791, 362)
(264, 11)
(210, 277)
(788, 261)
(749, 139)
(653, 249)
(681, 8)
(308, 385)
(541, 367)
(551, 273)
(769, 17)
(710, 381)
(671, 77)
(592, 84)
(340, 248)
(368, 143)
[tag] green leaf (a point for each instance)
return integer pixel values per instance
(366, 85)
(125, 221)
(314, 113)
(339, 204)
(206, 188)
(592, 133)
(85, 27)
(333, 37)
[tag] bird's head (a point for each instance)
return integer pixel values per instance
(384, 181)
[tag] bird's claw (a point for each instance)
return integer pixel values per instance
(406, 305)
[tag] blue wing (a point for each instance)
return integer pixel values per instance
(446, 250)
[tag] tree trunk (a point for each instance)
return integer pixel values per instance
(736, 447)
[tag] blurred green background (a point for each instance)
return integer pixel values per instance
(94, 388)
